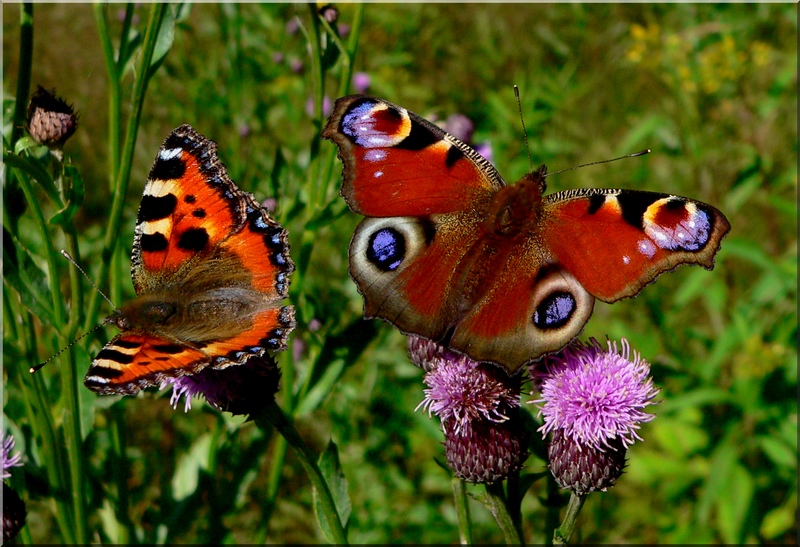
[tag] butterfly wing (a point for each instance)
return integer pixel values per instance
(615, 242)
(204, 249)
(135, 360)
(398, 164)
(409, 270)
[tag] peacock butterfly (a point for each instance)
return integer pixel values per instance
(210, 268)
(503, 274)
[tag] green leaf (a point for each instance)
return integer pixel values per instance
(74, 197)
(34, 169)
(331, 470)
(87, 398)
(781, 454)
(166, 34)
(190, 464)
(25, 277)
(733, 501)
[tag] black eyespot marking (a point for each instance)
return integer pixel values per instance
(199, 213)
(190, 199)
(172, 168)
(386, 249)
(193, 239)
(156, 208)
(153, 243)
(453, 155)
(115, 356)
(420, 137)
(554, 311)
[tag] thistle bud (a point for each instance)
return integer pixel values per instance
(584, 468)
(51, 121)
(485, 451)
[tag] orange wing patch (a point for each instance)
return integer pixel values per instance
(136, 360)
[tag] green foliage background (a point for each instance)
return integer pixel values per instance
(711, 89)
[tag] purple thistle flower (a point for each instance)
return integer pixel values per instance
(361, 82)
(10, 461)
(326, 107)
(462, 390)
(595, 396)
(14, 511)
(296, 66)
(478, 405)
(592, 403)
(292, 26)
(485, 150)
(344, 30)
(240, 389)
(459, 126)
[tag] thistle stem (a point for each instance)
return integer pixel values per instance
(273, 415)
(564, 532)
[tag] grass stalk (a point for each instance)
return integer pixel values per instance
(24, 76)
(157, 12)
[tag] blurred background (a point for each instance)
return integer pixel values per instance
(710, 88)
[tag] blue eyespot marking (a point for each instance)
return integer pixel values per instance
(554, 311)
(386, 249)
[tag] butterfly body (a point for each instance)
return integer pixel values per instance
(210, 268)
(504, 274)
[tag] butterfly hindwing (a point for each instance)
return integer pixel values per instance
(135, 360)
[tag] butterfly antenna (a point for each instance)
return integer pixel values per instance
(62, 350)
(524, 131)
(89, 279)
(84, 335)
(634, 155)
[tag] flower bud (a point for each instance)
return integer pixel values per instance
(51, 121)
(584, 468)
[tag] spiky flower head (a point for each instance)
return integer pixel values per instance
(51, 121)
(10, 461)
(592, 401)
(14, 510)
(478, 405)
(240, 389)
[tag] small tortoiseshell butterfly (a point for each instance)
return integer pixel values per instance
(504, 274)
(210, 268)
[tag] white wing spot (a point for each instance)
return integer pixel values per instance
(170, 153)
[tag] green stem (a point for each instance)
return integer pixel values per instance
(24, 77)
(121, 471)
(273, 415)
(553, 504)
(114, 102)
(496, 503)
(74, 441)
(318, 84)
(52, 457)
(157, 12)
(462, 511)
(564, 532)
(50, 254)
